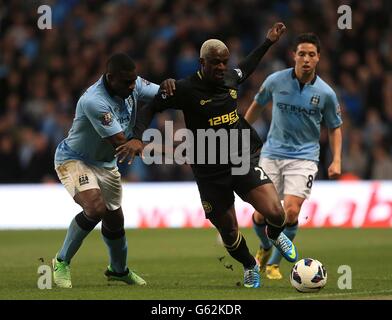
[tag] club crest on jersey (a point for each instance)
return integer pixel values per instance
(315, 100)
(239, 73)
(207, 206)
(107, 119)
(233, 93)
(338, 110)
(83, 179)
(146, 82)
(130, 101)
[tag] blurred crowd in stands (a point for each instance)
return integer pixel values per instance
(43, 72)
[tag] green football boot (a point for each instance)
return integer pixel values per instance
(61, 273)
(129, 277)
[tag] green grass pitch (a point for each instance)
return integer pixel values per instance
(184, 264)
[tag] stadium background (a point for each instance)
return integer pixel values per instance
(43, 72)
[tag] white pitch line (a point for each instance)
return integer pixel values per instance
(315, 296)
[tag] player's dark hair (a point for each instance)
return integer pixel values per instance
(119, 62)
(307, 38)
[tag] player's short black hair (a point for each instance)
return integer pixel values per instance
(309, 37)
(119, 62)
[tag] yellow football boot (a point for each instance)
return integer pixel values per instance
(262, 257)
(272, 272)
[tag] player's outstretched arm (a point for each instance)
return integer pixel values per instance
(249, 64)
(335, 142)
(144, 117)
(253, 112)
(167, 97)
(276, 31)
(130, 149)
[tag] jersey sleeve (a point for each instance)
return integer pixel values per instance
(332, 114)
(265, 92)
(101, 118)
(145, 89)
(236, 74)
(248, 65)
(162, 101)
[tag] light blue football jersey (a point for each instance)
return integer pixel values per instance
(296, 115)
(100, 115)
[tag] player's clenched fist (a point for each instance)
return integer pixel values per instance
(276, 31)
(334, 170)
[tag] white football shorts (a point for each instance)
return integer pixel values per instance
(291, 176)
(77, 176)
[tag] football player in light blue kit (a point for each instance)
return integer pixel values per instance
(301, 100)
(86, 165)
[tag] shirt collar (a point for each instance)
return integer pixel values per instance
(203, 79)
(294, 76)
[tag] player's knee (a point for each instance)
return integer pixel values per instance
(113, 220)
(258, 217)
(275, 214)
(96, 209)
(292, 213)
(229, 237)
